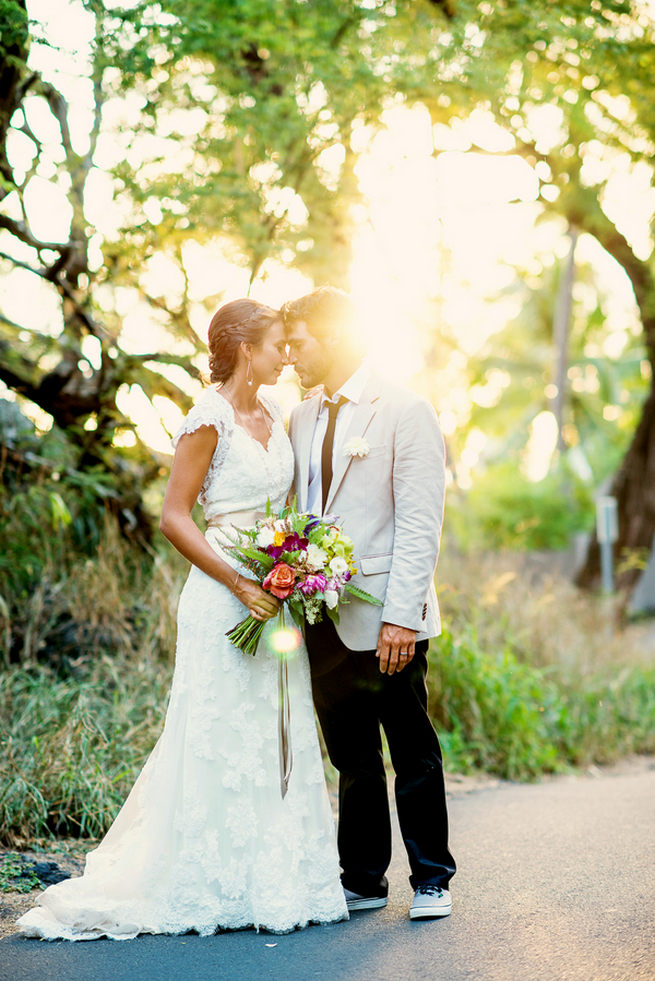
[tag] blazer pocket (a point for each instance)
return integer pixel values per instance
(370, 565)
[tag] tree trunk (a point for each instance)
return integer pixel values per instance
(634, 489)
(634, 484)
(13, 53)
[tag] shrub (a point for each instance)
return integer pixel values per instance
(504, 713)
(73, 748)
(505, 510)
(508, 717)
(59, 525)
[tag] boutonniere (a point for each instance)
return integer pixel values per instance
(356, 446)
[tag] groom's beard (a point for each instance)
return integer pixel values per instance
(307, 379)
(316, 371)
(315, 375)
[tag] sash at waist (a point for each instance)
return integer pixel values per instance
(238, 519)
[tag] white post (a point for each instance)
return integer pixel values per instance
(607, 532)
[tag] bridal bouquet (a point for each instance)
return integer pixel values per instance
(305, 561)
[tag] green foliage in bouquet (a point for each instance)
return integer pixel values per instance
(305, 561)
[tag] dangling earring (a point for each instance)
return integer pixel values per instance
(249, 378)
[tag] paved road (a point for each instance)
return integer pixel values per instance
(556, 883)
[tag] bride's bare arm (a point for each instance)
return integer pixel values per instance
(190, 464)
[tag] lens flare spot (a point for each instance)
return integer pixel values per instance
(286, 640)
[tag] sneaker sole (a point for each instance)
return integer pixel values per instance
(371, 902)
(430, 913)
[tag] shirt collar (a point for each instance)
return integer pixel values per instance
(353, 388)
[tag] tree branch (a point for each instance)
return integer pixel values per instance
(584, 211)
(580, 206)
(178, 317)
(97, 96)
(51, 276)
(19, 381)
(22, 232)
(175, 359)
(153, 383)
(59, 109)
(27, 130)
(23, 265)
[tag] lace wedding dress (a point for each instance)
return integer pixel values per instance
(205, 841)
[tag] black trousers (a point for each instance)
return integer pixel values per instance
(353, 699)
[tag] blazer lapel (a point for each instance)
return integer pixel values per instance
(360, 419)
(306, 425)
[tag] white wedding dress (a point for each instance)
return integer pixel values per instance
(205, 841)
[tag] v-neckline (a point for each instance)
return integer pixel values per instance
(243, 429)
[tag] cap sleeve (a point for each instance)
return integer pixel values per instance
(211, 409)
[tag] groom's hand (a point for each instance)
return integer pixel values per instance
(395, 648)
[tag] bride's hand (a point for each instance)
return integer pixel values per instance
(261, 605)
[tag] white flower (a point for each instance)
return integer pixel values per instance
(338, 566)
(356, 446)
(331, 598)
(281, 525)
(265, 537)
(315, 558)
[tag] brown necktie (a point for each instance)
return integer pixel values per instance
(326, 449)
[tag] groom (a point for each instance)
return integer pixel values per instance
(372, 454)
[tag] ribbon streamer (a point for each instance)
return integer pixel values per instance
(244, 519)
(284, 741)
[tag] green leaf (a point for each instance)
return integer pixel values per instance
(333, 614)
(252, 553)
(361, 594)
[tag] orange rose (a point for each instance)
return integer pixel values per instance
(280, 580)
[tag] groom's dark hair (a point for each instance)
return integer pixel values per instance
(327, 311)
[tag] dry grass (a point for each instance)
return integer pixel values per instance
(530, 601)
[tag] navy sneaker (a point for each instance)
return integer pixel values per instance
(356, 902)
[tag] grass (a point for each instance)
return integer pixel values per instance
(15, 875)
(529, 677)
(84, 705)
(74, 747)
(499, 714)
(529, 600)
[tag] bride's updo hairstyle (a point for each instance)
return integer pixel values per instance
(233, 324)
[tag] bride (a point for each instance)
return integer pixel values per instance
(206, 841)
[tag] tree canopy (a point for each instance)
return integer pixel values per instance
(231, 124)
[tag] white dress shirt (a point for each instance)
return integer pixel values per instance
(352, 390)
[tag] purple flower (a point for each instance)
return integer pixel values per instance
(313, 584)
(294, 543)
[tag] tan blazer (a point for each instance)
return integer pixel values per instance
(390, 502)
